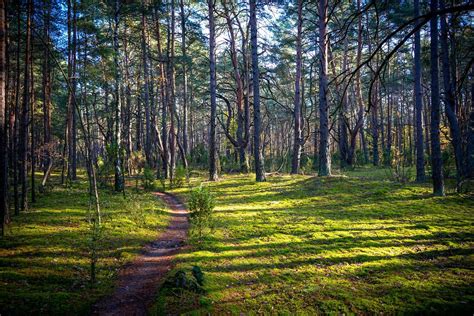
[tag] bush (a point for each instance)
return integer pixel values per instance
(399, 168)
(179, 177)
(148, 178)
(201, 208)
(449, 162)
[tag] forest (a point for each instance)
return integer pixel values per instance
(168, 157)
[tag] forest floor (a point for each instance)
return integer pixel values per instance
(138, 282)
(45, 258)
(354, 243)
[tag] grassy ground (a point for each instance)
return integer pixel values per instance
(347, 244)
(45, 257)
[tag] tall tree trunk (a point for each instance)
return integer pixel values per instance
(118, 177)
(297, 140)
(3, 118)
(23, 148)
(14, 122)
(46, 84)
(72, 43)
(164, 98)
(358, 91)
(420, 154)
(470, 136)
(449, 99)
(436, 161)
(171, 91)
(257, 121)
(324, 139)
(185, 80)
(33, 138)
(146, 90)
(213, 176)
(342, 126)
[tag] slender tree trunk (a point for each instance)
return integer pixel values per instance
(185, 80)
(358, 91)
(70, 105)
(257, 121)
(14, 122)
(297, 140)
(172, 95)
(470, 136)
(23, 148)
(213, 175)
(146, 90)
(164, 98)
(33, 138)
(436, 161)
(71, 119)
(118, 177)
(3, 118)
(324, 139)
(342, 128)
(46, 88)
(449, 99)
(420, 154)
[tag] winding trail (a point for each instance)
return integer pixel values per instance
(138, 281)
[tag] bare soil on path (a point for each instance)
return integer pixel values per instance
(138, 282)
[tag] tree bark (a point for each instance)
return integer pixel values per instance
(297, 140)
(420, 154)
(436, 161)
(146, 90)
(3, 118)
(185, 80)
(46, 88)
(449, 99)
(257, 121)
(171, 91)
(213, 175)
(23, 148)
(324, 139)
(118, 177)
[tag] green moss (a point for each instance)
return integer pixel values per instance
(354, 244)
(45, 256)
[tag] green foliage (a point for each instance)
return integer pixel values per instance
(181, 281)
(136, 162)
(306, 164)
(449, 162)
(200, 155)
(400, 169)
(148, 179)
(179, 177)
(181, 289)
(201, 208)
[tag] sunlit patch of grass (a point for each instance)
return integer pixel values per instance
(45, 257)
(352, 243)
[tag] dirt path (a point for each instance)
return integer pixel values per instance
(138, 282)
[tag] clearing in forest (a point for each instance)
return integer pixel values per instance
(344, 244)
